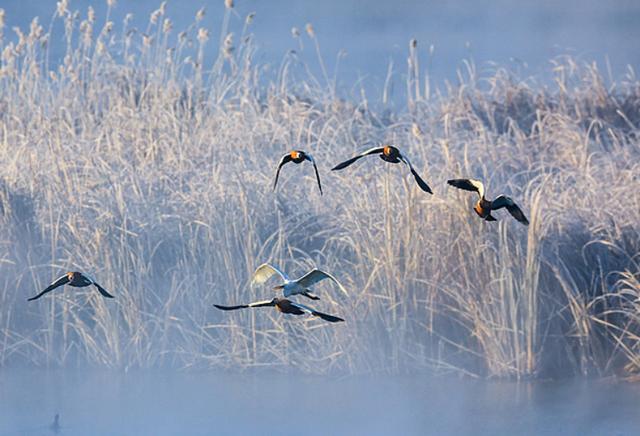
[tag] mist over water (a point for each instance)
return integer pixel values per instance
(202, 403)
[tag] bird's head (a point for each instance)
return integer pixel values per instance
(389, 150)
(70, 275)
(295, 154)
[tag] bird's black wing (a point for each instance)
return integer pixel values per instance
(314, 312)
(63, 280)
(315, 167)
(327, 317)
(423, 185)
(504, 201)
(286, 158)
(102, 291)
(346, 163)
(244, 306)
(465, 184)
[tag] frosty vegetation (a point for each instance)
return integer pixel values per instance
(146, 157)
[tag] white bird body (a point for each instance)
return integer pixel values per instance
(298, 286)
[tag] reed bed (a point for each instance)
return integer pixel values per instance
(147, 159)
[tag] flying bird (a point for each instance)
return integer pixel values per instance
(285, 306)
(297, 157)
(484, 207)
(76, 279)
(290, 287)
(390, 154)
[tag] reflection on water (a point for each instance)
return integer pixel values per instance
(168, 403)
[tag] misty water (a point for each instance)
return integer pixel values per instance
(199, 403)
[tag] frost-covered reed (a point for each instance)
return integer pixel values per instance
(145, 157)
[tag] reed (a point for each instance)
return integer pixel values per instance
(147, 160)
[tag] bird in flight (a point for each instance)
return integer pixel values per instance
(297, 157)
(483, 207)
(390, 154)
(284, 305)
(74, 278)
(298, 286)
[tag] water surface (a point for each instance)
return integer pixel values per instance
(200, 403)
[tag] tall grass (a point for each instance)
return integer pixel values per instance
(146, 159)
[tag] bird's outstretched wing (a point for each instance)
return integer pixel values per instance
(102, 290)
(423, 185)
(315, 167)
(264, 273)
(504, 201)
(314, 276)
(468, 185)
(264, 303)
(62, 280)
(346, 163)
(286, 158)
(314, 312)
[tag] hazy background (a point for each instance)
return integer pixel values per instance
(523, 35)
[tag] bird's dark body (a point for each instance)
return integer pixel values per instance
(78, 280)
(483, 209)
(283, 305)
(390, 159)
(298, 156)
(390, 154)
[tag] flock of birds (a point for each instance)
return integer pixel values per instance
(302, 286)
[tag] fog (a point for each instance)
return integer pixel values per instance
(200, 403)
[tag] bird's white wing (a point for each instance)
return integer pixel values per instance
(468, 185)
(314, 276)
(261, 303)
(478, 184)
(264, 273)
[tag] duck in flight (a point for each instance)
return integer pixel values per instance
(297, 157)
(390, 154)
(298, 286)
(484, 207)
(76, 279)
(284, 305)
